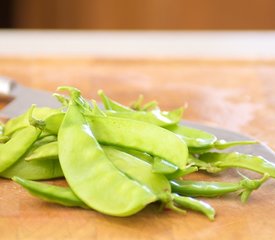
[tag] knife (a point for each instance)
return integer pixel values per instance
(23, 97)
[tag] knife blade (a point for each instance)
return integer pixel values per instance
(23, 97)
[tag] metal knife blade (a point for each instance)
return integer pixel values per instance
(23, 97)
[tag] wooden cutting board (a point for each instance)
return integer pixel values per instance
(235, 95)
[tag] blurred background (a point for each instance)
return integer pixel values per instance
(138, 14)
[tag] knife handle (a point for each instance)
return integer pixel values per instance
(6, 86)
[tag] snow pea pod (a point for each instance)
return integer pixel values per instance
(17, 146)
(51, 193)
(141, 171)
(22, 120)
(34, 170)
(46, 151)
(140, 136)
(89, 172)
(194, 204)
(155, 116)
(50, 151)
(214, 189)
(220, 161)
(194, 138)
(159, 184)
(220, 145)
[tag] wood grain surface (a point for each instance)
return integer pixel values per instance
(235, 95)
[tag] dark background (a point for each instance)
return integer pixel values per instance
(139, 14)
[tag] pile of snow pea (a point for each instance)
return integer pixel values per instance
(118, 159)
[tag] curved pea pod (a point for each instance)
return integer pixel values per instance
(140, 171)
(43, 140)
(34, 170)
(17, 146)
(50, 151)
(194, 138)
(155, 117)
(51, 193)
(220, 161)
(46, 151)
(53, 122)
(194, 204)
(22, 120)
(140, 136)
(220, 145)
(214, 189)
(91, 175)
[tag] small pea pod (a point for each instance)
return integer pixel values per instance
(194, 138)
(140, 136)
(46, 151)
(194, 204)
(88, 172)
(51, 193)
(140, 171)
(155, 116)
(219, 161)
(220, 145)
(49, 151)
(17, 146)
(34, 170)
(215, 189)
(22, 120)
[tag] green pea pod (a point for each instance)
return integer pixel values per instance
(140, 171)
(44, 140)
(22, 120)
(155, 117)
(17, 146)
(194, 138)
(140, 136)
(51, 193)
(194, 204)
(214, 189)
(47, 151)
(34, 170)
(53, 122)
(220, 145)
(90, 171)
(220, 161)
(182, 172)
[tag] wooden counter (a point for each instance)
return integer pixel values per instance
(237, 95)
